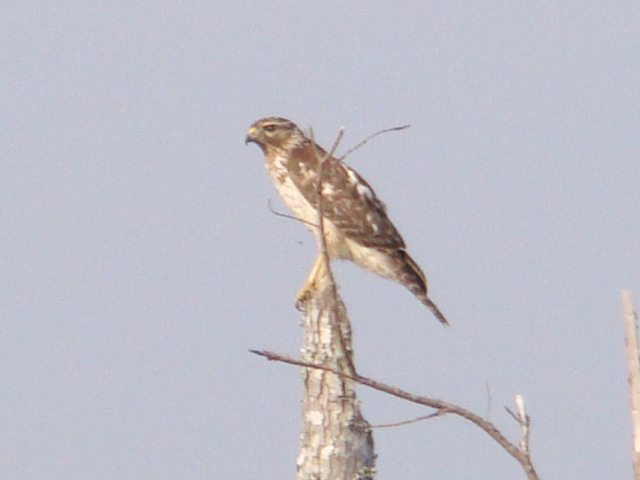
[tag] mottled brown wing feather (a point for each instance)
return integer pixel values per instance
(349, 202)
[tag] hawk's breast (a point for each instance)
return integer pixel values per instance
(289, 192)
(302, 209)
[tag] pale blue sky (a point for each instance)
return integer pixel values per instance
(139, 261)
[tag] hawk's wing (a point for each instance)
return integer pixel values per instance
(348, 202)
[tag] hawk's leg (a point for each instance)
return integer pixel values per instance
(318, 271)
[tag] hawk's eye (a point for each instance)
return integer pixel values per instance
(270, 128)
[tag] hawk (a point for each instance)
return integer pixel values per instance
(355, 221)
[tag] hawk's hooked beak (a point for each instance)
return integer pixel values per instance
(251, 136)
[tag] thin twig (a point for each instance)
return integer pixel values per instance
(489, 400)
(512, 414)
(286, 215)
(436, 414)
(323, 239)
(489, 428)
(373, 135)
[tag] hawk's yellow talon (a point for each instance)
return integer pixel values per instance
(315, 276)
(303, 297)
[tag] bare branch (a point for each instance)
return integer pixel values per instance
(489, 428)
(630, 319)
(373, 135)
(524, 421)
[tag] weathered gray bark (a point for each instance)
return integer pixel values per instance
(336, 441)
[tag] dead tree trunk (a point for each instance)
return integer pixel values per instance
(336, 441)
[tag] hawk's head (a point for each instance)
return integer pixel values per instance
(274, 133)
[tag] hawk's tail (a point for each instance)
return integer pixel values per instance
(411, 276)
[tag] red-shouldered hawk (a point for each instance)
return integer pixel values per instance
(356, 224)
